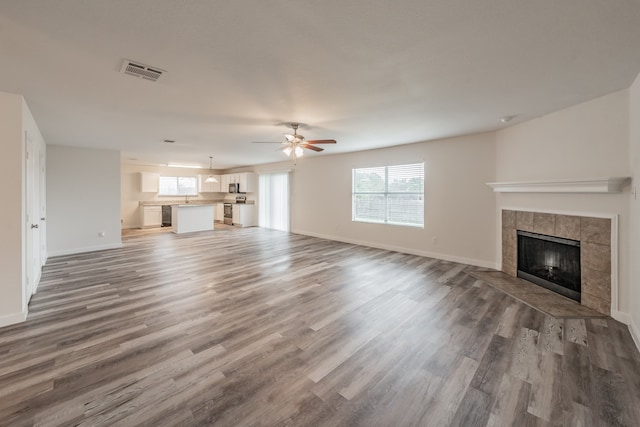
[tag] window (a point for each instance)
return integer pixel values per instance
(389, 195)
(178, 186)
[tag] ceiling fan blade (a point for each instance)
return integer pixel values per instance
(311, 147)
(322, 141)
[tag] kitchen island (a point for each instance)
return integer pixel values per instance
(189, 218)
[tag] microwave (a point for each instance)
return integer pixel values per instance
(234, 187)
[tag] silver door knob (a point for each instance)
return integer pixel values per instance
(42, 219)
(34, 225)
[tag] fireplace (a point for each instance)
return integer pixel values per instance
(597, 251)
(551, 262)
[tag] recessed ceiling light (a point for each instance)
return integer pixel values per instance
(506, 119)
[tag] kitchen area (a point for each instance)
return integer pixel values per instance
(184, 201)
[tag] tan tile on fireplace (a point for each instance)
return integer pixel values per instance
(509, 246)
(568, 226)
(509, 269)
(596, 230)
(595, 257)
(524, 221)
(544, 223)
(508, 219)
(595, 303)
(596, 283)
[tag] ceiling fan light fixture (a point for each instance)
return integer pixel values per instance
(299, 151)
(287, 151)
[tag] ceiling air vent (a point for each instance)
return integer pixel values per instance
(140, 70)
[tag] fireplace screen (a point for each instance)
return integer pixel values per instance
(551, 262)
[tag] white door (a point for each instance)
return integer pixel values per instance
(43, 210)
(32, 203)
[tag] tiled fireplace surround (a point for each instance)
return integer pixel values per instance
(594, 235)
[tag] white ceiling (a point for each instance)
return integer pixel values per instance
(369, 73)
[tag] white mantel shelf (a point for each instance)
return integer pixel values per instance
(584, 185)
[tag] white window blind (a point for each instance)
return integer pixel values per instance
(178, 186)
(273, 201)
(389, 195)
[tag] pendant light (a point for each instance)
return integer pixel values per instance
(211, 178)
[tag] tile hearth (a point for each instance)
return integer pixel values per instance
(535, 296)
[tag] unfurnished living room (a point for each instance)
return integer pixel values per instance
(305, 213)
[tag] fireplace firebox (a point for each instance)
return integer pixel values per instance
(550, 262)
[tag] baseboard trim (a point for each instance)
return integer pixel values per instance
(84, 250)
(444, 257)
(621, 317)
(12, 319)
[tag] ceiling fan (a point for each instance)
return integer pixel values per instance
(295, 143)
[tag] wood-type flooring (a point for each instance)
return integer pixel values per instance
(255, 327)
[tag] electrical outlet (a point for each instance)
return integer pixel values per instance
(101, 234)
(434, 240)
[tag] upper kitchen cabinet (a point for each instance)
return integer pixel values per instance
(248, 182)
(225, 180)
(149, 182)
(209, 187)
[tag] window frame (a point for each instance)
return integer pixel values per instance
(386, 196)
(177, 179)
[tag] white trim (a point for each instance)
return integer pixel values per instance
(584, 185)
(11, 319)
(83, 250)
(614, 245)
(621, 317)
(635, 332)
(444, 257)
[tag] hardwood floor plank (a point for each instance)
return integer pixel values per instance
(250, 327)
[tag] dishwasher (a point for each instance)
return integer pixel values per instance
(166, 215)
(228, 213)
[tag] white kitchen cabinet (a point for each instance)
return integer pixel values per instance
(248, 182)
(245, 215)
(149, 182)
(150, 216)
(219, 212)
(208, 187)
(224, 183)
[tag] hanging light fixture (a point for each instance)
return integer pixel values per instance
(211, 178)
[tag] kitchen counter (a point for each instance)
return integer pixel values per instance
(192, 202)
(187, 218)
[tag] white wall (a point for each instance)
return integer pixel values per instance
(83, 199)
(634, 141)
(132, 196)
(12, 214)
(459, 207)
(584, 141)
